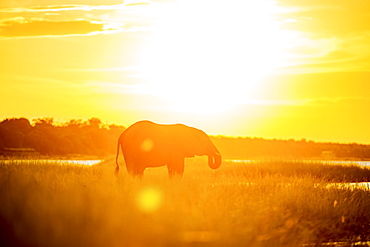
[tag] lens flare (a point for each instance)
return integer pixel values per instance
(149, 200)
(147, 145)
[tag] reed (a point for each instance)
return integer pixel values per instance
(263, 203)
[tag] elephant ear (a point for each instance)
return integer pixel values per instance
(186, 146)
(192, 141)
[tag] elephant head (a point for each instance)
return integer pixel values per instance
(197, 142)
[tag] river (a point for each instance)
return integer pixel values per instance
(97, 161)
(51, 161)
(339, 162)
(363, 185)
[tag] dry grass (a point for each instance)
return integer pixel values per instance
(265, 203)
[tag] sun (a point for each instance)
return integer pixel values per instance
(208, 56)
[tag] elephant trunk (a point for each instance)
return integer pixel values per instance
(217, 160)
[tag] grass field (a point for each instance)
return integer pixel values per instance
(262, 203)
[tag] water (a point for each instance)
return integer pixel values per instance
(341, 162)
(346, 162)
(351, 186)
(362, 185)
(60, 162)
(94, 162)
(359, 185)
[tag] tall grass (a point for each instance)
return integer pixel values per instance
(264, 203)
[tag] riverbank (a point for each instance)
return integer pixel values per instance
(260, 204)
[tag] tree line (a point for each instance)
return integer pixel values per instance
(249, 148)
(93, 137)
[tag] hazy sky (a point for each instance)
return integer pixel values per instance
(273, 69)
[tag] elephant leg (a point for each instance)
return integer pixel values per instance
(176, 168)
(136, 172)
(139, 172)
(134, 169)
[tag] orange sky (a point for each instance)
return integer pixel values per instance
(272, 69)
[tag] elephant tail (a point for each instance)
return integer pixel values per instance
(117, 164)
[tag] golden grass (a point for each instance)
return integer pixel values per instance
(264, 203)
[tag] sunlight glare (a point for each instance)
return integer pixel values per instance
(207, 56)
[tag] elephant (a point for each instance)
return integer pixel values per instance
(147, 144)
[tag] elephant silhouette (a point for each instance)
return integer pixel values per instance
(147, 144)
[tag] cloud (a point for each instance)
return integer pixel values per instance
(324, 19)
(58, 8)
(349, 101)
(331, 55)
(24, 3)
(20, 27)
(74, 7)
(74, 19)
(136, 3)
